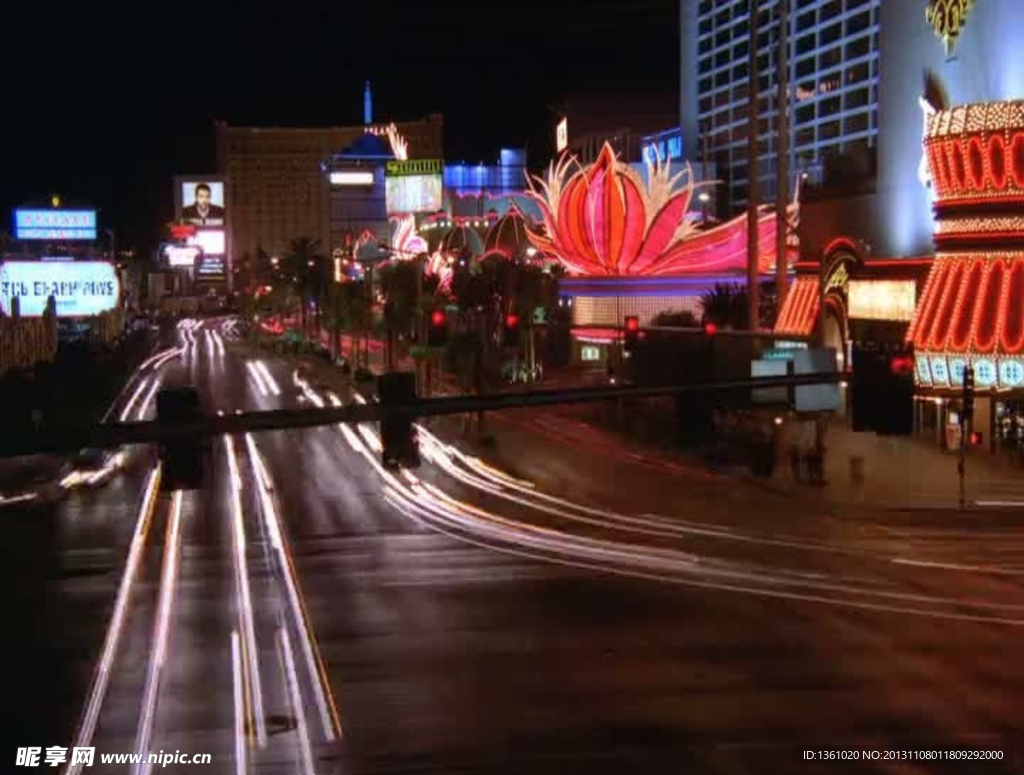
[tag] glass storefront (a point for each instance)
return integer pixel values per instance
(1009, 428)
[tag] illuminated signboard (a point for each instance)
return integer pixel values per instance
(182, 255)
(666, 149)
(940, 371)
(80, 288)
(210, 267)
(409, 167)
(882, 299)
(562, 135)
(414, 194)
(924, 373)
(212, 241)
(589, 353)
(948, 18)
(1011, 373)
(985, 372)
(352, 178)
(202, 202)
(55, 224)
(956, 371)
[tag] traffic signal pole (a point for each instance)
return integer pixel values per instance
(966, 414)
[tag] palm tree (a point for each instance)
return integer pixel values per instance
(725, 305)
(305, 268)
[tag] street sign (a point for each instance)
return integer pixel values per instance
(779, 354)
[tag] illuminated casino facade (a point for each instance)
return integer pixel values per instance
(939, 216)
(631, 244)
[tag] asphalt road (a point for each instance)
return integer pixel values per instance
(650, 620)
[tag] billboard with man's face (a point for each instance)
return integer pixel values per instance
(202, 202)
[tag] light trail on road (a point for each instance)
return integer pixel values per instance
(436, 509)
(251, 665)
(161, 634)
(325, 703)
(115, 629)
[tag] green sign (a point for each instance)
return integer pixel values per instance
(397, 168)
(779, 354)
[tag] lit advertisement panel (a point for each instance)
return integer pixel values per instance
(352, 178)
(55, 224)
(202, 202)
(985, 373)
(80, 288)
(414, 194)
(210, 267)
(924, 372)
(212, 241)
(179, 256)
(882, 299)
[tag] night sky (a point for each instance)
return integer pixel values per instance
(106, 103)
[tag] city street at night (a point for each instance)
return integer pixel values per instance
(475, 624)
(629, 387)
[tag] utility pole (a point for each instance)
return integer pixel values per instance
(753, 195)
(782, 183)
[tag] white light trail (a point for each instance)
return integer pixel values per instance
(219, 342)
(28, 496)
(295, 696)
(269, 378)
(257, 378)
(126, 412)
(321, 691)
(144, 407)
(245, 595)
(428, 505)
(101, 680)
(161, 635)
(241, 764)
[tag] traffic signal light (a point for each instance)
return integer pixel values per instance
(968, 393)
(438, 334)
(632, 332)
(510, 331)
(976, 439)
(181, 459)
(398, 437)
(710, 329)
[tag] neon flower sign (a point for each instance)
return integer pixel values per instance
(406, 242)
(605, 220)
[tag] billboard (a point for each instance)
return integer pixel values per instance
(414, 194)
(80, 288)
(414, 186)
(178, 256)
(352, 178)
(562, 135)
(201, 202)
(213, 242)
(882, 299)
(55, 224)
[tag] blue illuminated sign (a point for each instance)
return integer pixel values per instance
(80, 288)
(668, 146)
(55, 224)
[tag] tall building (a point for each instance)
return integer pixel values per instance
(276, 183)
(833, 80)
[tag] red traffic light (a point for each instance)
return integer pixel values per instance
(710, 329)
(902, 366)
(976, 439)
(437, 318)
(511, 320)
(632, 323)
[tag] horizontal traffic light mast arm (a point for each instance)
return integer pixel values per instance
(72, 438)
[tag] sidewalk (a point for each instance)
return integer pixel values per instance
(904, 473)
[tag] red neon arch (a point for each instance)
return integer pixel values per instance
(987, 313)
(960, 332)
(997, 161)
